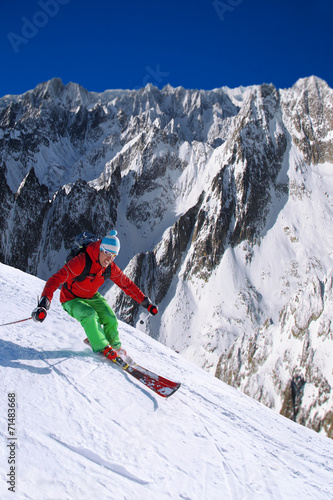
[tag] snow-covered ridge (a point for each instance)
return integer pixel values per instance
(222, 200)
(81, 426)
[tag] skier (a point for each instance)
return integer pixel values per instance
(81, 299)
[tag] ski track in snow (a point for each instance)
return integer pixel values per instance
(90, 455)
(86, 429)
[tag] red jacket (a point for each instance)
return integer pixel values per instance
(87, 288)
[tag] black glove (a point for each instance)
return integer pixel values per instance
(40, 313)
(148, 305)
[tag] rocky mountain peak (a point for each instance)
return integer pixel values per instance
(222, 202)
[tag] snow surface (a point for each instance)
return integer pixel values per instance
(85, 429)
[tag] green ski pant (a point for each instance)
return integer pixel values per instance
(98, 320)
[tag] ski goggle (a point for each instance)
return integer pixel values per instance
(108, 253)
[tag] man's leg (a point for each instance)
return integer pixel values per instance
(107, 318)
(81, 310)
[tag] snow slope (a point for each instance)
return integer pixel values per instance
(85, 429)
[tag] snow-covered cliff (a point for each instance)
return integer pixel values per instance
(223, 204)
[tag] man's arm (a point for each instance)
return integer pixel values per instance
(126, 284)
(130, 288)
(73, 268)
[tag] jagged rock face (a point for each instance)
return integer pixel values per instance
(242, 189)
(24, 213)
(222, 202)
(6, 205)
(116, 142)
(70, 211)
(308, 110)
(27, 223)
(154, 271)
(291, 355)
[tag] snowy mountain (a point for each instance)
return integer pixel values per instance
(83, 429)
(223, 204)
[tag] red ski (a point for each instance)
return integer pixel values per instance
(162, 386)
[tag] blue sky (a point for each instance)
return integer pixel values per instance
(193, 43)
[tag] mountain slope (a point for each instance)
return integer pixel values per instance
(85, 429)
(223, 204)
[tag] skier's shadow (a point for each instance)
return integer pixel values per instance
(11, 356)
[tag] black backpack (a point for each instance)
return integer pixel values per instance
(80, 244)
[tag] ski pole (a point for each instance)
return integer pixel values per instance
(144, 319)
(19, 321)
